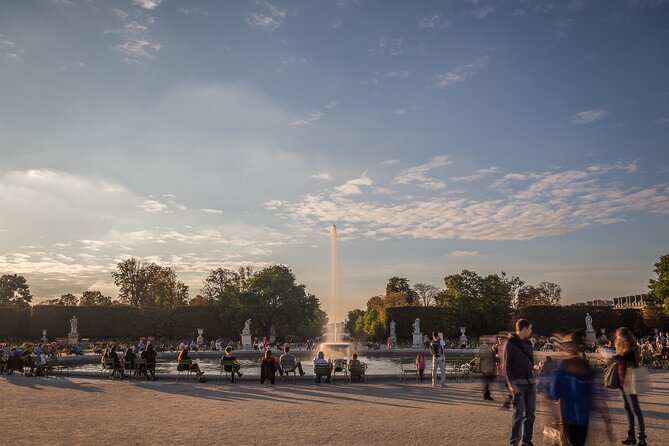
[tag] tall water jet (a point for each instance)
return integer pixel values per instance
(334, 348)
(333, 278)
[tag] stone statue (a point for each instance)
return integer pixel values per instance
(73, 325)
(247, 327)
(392, 328)
(588, 322)
(416, 325)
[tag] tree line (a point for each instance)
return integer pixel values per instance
(271, 297)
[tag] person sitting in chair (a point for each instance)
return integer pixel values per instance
(320, 361)
(268, 368)
(230, 358)
(289, 357)
(194, 367)
(150, 355)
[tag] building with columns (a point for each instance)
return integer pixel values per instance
(637, 301)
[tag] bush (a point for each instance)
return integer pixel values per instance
(14, 322)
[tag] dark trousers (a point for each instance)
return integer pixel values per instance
(487, 379)
(631, 403)
(420, 374)
(575, 434)
(524, 405)
(267, 372)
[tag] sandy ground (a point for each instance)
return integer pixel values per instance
(86, 411)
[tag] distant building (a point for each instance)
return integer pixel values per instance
(595, 303)
(637, 301)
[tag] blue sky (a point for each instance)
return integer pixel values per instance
(523, 136)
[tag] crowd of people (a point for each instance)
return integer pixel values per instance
(569, 386)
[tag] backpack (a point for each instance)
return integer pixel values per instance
(436, 349)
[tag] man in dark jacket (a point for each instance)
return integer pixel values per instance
(519, 365)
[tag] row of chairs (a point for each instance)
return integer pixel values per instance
(288, 367)
(111, 369)
(453, 369)
(53, 367)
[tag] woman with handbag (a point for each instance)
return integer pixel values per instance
(628, 357)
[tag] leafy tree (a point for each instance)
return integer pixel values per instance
(14, 290)
(200, 301)
(401, 285)
(397, 299)
(547, 293)
(223, 282)
(482, 304)
(352, 323)
(373, 327)
(94, 298)
(149, 285)
(426, 293)
(68, 300)
(659, 287)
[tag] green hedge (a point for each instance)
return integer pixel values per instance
(14, 322)
(93, 322)
(431, 319)
(547, 319)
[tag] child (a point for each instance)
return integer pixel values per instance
(420, 365)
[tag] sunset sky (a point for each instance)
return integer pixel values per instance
(524, 136)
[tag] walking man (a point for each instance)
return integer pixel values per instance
(437, 350)
(519, 363)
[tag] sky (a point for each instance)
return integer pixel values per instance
(496, 135)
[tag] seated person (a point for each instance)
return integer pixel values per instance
(150, 355)
(289, 357)
(28, 360)
(117, 362)
(268, 368)
(129, 359)
(234, 368)
(320, 361)
(184, 356)
(354, 361)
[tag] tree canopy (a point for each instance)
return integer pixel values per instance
(14, 290)
(658, 288)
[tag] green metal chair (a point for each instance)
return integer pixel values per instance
(185, 366)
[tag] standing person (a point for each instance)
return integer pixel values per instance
(499, 349)
(519, 365)
(487, 361)
(574, 391)
(628, 357)
(437, 350)
(420, 365)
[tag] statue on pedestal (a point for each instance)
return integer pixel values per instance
(73, 325)
(416, 325)
(247, 327)
(588, 322)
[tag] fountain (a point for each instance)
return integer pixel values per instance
(334, 348)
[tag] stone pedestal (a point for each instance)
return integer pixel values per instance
(590, 337)
(417, 340)
(73, 339)
(247, 342)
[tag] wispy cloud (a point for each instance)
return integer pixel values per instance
(322, 176)
(482, 11)
(435, 20)
(307, 119)
(354, 186)
(136, 43)
(211, 211)
(560, 31)
(542, 205)
(290, 60)
(400, 111)
(337, 23)
(148, 4)
(271, 19)
(391, 46)
(664, 120)
(330, 105)
(390, 162)
(419, 174)
(461, 72)
(376, 78)
(478, 174)
(464, 253)
(9, 50)
(588, 116)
